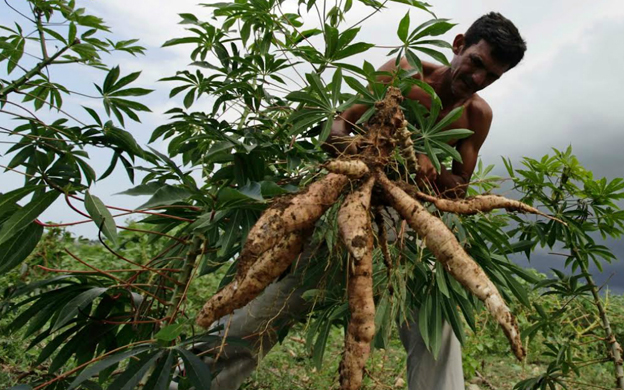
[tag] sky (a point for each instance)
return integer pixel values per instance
(566, 91)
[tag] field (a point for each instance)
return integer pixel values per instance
(488, 363)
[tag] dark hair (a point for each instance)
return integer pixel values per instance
(507, 44)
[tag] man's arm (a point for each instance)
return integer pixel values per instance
(454, 183)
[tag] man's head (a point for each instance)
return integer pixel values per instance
(489, 48)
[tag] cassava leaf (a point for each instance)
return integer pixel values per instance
(105, 363)
(13, 252)
(24, 216)
(196, 370)
(101, 216)
(71, 309)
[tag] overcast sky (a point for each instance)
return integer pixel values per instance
(566, 91)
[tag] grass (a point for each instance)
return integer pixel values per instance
(289, 366)
(487, 360)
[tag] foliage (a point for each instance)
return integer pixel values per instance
(273, 95)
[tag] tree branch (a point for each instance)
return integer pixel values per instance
(14, 86)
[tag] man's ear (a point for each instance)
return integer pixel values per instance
(458, 44)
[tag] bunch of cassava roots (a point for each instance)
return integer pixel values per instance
(278, 236)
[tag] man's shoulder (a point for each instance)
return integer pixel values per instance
(479, 110)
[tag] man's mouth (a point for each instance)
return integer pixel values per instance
(469, 84)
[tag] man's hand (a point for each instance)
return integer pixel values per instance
(427, 172)
(339, 142)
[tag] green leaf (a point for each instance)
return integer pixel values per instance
(13, 252)
(166, 195)
(169, 332)
(315, 82)
(132, 92)
(518, 290)
(270, 189)
(110, 79)
(367, 115)
(8, 201)
(181, 41)
(305, 97)
(66, 352)
(449, 150)
(123, 139)
(16, 54)
(53, 345)
(135, 371)
(432, 156)
(71, 309)
(352, 50)
(104, 364)
(438, 27)
(231, 233)
(160, 378)
(326, 129)
(441, 280)
(438, 56)
(336, 84)
(71, 37)
(101, 216)
(142, 189)
(423, 319)
(253, 190)
(404, 27)
(125, 81)
(230, 197)
(451, 315)
(219, 147)
(414, 61)
(447, 135)
(26, 215)
(358, 87)
(196, 370)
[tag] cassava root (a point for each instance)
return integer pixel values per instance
(260, 274)
(447, 250)
(272, 244)
(406, 147)
(477, 204)
(352, 168)
(354, 225)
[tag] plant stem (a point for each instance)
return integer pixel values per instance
(180, 288)
(44, 50)
(15, 85)
(612, 344)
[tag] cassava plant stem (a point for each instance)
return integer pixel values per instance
(187, 269)
(15, 85)
(614, 347)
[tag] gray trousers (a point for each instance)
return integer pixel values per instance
(281, 304)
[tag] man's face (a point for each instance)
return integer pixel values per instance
(473, 68)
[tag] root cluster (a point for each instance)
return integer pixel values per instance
(276, 239)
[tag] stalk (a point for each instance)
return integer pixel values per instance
(42, 41)
(612, 344)
(187, 268)
(15, 85)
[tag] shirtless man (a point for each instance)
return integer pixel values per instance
(490, 47)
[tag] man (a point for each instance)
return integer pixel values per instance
(490, 47)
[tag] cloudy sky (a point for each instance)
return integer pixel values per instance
(567, 90)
